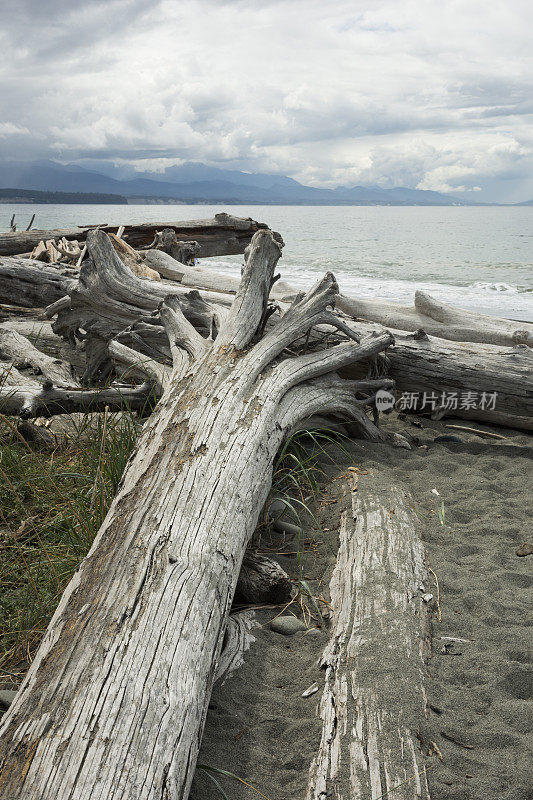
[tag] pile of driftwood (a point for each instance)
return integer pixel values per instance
(224, 369)
(441, 355)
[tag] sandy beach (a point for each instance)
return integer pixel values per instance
(479, 691)
(472, 497)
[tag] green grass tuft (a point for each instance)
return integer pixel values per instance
(51, 506)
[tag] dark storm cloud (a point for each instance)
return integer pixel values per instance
(423, 92)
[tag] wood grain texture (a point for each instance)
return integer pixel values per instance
(32, 284)
(373, 699)
(114, 703)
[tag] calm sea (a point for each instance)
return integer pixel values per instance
(477, 258)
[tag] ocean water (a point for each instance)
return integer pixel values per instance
(476, 258)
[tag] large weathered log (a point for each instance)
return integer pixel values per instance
(373, 702)
(459, 379)
(106, 305)
(438, 319)
(31, 284)
(237, 640)
(222, 235)
(114, 703)
(108, 298)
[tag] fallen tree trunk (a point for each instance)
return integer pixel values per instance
(480, 382)
(115, 700)
(237, 641)
(456, 379)
(222, 235)
(373, 702)
(436, 318)
(31, 284)
(439, 319)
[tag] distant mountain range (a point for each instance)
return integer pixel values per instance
(10, 195)
(197, 183)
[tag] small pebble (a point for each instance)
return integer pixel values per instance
(525, 549)
(6, 698)
(287, 626)
(313, 689)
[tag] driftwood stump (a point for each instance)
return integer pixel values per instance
(114, 703)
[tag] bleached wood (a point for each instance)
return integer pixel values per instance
(438, 319)
(23, 397)
(114, 703)
(434, 366)
(238, 638)
(109, 298)
(491, 330)
(19, 351)
(32, 284)
(373, 700)
(39, 252)
(418, 365)
(132, 259)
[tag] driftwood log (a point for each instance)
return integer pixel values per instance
(109, 304)
(373, 702)
(31, 284)
(433, 316)
(442, 378)
(222, 235)
(114, 703)
(439, 319)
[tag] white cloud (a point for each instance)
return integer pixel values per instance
(419, 93)
(8, 129)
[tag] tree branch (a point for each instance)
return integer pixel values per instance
(137, 363)
(312, 365)
(20, 351)
(43, 401)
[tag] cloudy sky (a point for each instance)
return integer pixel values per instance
(433, 94)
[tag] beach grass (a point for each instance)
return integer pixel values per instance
(52, 503)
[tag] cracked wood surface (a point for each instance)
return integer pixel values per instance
(114, 703)
(373, 700)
